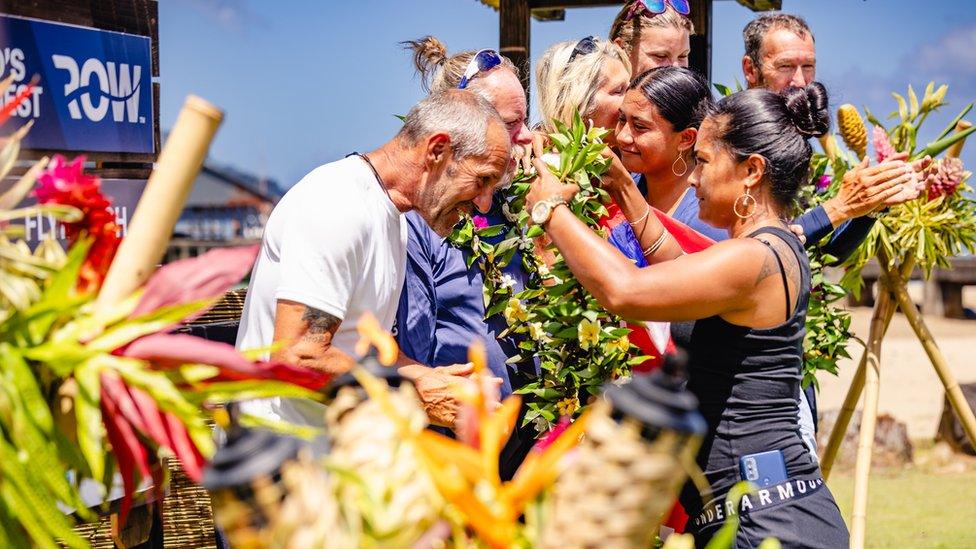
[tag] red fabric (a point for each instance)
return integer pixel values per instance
(691, 241)
(678, 519)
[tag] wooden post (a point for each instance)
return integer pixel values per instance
(513, 36)
(701, 41)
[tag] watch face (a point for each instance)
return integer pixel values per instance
(540, 212)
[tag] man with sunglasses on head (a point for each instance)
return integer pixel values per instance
(780, 52)
(442, 308)
(335, 246)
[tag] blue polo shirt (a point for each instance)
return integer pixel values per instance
(442, 307)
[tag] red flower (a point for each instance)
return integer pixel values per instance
(66, 183)
(480, 222)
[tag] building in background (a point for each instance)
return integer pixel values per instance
(227, 207)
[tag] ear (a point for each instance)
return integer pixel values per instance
(750, 71)
(687, 138)
(754, 169)
(438, 149)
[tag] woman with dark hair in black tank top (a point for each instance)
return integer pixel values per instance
(743, 302)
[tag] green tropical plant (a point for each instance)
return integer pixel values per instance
(92, 394)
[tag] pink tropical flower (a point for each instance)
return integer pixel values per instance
(822, 183)
(66, 183)
(480, 222)
(882, 145)
(550, 437)
(943, 178)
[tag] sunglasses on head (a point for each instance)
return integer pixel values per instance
(656, 7)
(583, 47)
(484, 60)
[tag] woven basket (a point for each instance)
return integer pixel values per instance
(187, 513)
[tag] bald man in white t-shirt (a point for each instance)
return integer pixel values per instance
(335, 246)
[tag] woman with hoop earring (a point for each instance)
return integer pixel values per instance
(742, 304)
(655, 135)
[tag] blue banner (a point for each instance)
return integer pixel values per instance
(94, 87)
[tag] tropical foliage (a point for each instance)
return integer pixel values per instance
(103, 394)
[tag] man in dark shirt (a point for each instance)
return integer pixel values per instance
(442, 306)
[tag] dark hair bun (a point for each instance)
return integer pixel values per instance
(808, 109)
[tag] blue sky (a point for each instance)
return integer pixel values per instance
(304, 82)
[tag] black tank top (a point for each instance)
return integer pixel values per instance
(748, 384)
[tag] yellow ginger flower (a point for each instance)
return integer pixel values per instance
(852, 129)
(515, 312)
(589, 333)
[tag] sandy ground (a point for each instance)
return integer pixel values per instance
(910, 389)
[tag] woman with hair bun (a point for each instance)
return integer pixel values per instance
(744, 303)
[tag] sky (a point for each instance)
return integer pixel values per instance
(305, 82)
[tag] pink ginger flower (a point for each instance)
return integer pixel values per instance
(882, 145)
(480, 222)
(944, 177)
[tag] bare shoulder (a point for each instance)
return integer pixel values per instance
(737, 259)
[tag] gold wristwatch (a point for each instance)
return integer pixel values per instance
(542, 210)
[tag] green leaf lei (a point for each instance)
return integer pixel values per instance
(578, 344)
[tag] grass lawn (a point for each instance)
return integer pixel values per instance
(912, 508)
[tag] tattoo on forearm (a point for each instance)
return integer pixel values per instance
(319, 322)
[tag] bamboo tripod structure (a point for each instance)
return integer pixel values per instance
(892, 295)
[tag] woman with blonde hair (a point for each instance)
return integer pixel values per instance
(654, 33)
(589, 75)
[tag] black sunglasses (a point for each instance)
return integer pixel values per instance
(583, 47)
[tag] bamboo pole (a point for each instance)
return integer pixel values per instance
(829, 144)
(956, 149)
(886, 306)
(162, 201)
(953, 391)
(869, 418)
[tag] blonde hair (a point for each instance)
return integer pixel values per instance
(565, 86)
(439, 71)
(629, 32)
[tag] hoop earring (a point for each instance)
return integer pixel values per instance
(684, 166)
(747, 201)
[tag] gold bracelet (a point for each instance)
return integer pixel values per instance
(657, 244)
(647, 213)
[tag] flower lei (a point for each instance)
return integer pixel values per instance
(578, 344)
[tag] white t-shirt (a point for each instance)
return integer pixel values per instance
(335, 242)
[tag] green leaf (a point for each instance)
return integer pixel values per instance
(129, 330)
(19, 375)
(723, 90)
(88, 416)
(229, 391)
(489, 232)
(534, 231)
(938, 147)
(952, 125)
